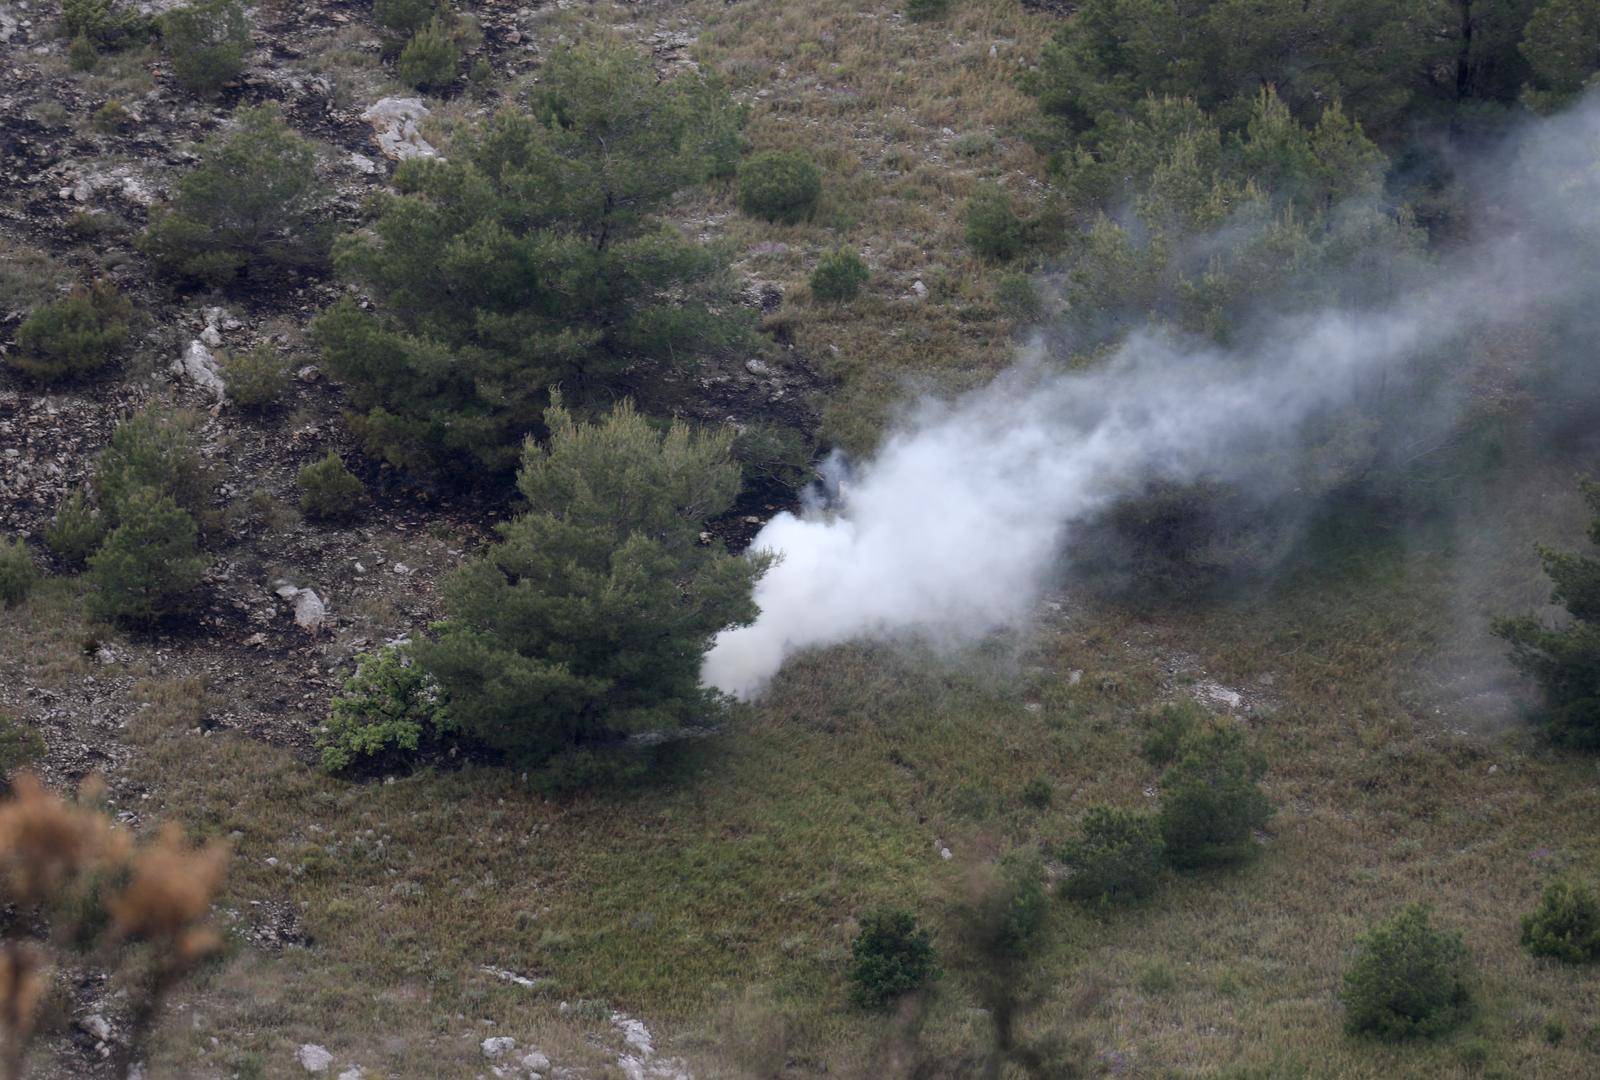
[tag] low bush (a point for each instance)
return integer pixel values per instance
(1117, 857)
(1409, 979)
(20, 745)
(74, 336)
(927, 10)
(994, 231)
(148, 568)
(329, 491)
(82, 54)
(773, 459)
(205, 43)
(17, 572)
(403, 18)
(107, 24)
(1211, 802)
(110, 118)
(839, 276)
(780, 186)
(430, 59)
(1167, 729)
(1019, 297)
(891, 957)
(155, 449)
(76, 531)
(255, 379)
(1038, 793)
(383, 714)
(252, 205)
(1565, 925)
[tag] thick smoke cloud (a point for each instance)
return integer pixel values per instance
(950, 531)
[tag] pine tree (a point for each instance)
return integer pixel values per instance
(148, 568)
(589, 620)
(1565, 661)
(534, 255)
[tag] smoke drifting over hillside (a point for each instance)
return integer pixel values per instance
(952, 528)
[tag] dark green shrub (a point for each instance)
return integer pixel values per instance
(1565, 661)
(1019, 297)
(774, 460)
(430, 59)
(107, 24)
(1167, 730)
(1408, 979)
(110, 118)
(20, 745)
(1562, 45)
(252, 205)
(205, 43)
(17, 572)
(1118, 857)
(994, 231)
(76, 531)
(534, 256)
(255, 379)
(402, 18)
(839, 276)
(589, 620)
(927, 10)
(1038, 793)
(74, 336)
(890, 957)
(1565, 925)
(148, 568)
(1211, 802)
(82, 54)
(154, 449)
(383, 714)
(481, 75)
(329, 491)
(779, 185)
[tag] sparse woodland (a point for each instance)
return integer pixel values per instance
(396, 399)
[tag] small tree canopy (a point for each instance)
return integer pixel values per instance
(590, 618)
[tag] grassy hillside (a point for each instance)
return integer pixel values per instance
(400, 920)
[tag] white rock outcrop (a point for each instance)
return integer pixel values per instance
(394, 126)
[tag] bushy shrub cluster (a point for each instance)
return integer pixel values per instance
(205, 43)
(1117, 857)
(430, 60)
(1409, 979)
(329, 491)
(533, 256)
(256, 378)
(74, 336)
(779, 185)
(149, 567)
(141, 544)
(155, 449)
(891, 956)
(588, 621)
(403, 18)
(1211, 802)
(82, 54)
(774, 459)
(106, 24)
(839, 276)
(994, 231)
(17, 572)
(927, 10)
(1565, 925)
(384, 713)
(1565, 660)
(76, 531)
(253, 205)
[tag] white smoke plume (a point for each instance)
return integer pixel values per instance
(952, 528)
